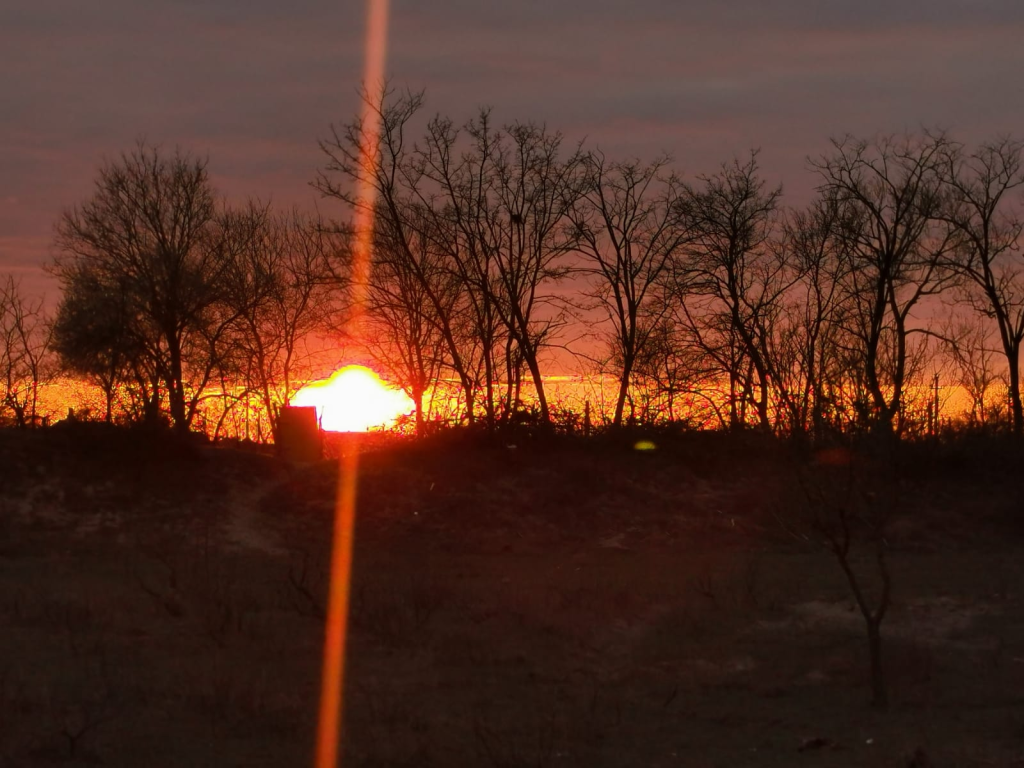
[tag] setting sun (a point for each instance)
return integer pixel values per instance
(354, 399)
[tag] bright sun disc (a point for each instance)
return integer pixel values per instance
(354, 399)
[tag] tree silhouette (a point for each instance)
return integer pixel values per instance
(737, 279)
(986, 239)
(24, 341)
(890, 195)
(808, 349)
(491, 208)
(403, 339)
(485, 240)
(148, 239)
(397, 212)
(630, 231)
(92, 337)
(283, 282)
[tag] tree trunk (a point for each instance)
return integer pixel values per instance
(1015, 403)
(538, 384)
(417, 397)
(620, 401)
(734, 416)
(488, 388)
(176, 391)
(879, 695)
(763, 414)
(470, 404)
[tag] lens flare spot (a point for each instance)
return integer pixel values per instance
(354, 399)
(644, 445)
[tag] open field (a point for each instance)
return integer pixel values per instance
(556, 603)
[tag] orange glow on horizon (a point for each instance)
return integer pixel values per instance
(354, 399)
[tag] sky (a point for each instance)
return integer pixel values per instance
(253, 84)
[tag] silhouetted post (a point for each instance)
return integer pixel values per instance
(298, 434)
(586, 419)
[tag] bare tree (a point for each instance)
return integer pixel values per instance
(398, 210)
(678, 375)
(24, 342)
(401, 336)
(629, 229)
(498, 210)
(534, 190)
(460, 205)
(92, 336)
(987, 234)
(493, 209)
(148, 237)
(890, 196)
(738, 278)
(848, 503)
(970, 347)
(808, 345)
(284, 279)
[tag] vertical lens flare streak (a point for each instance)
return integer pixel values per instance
(332, 680)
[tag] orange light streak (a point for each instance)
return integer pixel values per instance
(332, 677)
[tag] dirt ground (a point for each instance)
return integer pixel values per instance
(548, 604)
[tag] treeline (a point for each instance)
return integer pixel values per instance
(489, 241)
(493, 244)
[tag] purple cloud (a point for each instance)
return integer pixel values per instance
(254, 84)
